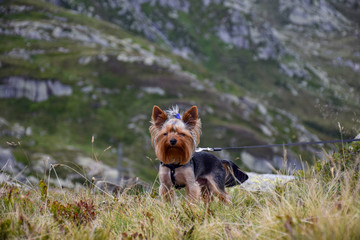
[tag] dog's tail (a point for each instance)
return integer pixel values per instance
(234, 176)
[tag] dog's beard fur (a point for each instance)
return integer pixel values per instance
(186, 131)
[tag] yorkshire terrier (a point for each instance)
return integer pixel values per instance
(175, 137)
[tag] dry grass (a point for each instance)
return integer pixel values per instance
(321, 203)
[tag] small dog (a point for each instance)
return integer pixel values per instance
(174, 138)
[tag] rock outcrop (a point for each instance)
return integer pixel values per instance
(34, 90)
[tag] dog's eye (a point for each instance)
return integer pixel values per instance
(165, 134)
(182, 134)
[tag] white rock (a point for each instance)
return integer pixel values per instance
(154, 90)
(264, 182)
(265, 130)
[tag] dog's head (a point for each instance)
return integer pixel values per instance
(175, 136)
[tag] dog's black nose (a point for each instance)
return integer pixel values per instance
(173, 141)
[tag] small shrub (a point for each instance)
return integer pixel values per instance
(346, 160)
(43, 190)
(132, 236)
(5, 228)
(79, 213)
(8, 195)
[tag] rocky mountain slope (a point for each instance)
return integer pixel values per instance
(259, 73)
(288, 54)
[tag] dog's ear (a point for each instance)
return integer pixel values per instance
(159, 117)
(190, 117)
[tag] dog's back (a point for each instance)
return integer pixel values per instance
(206, 163)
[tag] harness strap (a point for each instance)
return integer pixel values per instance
(172, 168)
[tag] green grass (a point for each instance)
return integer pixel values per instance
(320, 203)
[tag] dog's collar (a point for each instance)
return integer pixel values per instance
(172, 168)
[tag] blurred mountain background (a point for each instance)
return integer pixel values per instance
(259, 71)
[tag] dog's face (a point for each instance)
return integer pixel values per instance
(175, 137)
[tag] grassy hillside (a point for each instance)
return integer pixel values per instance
(112, 99)
(66, 77)
(320, 203)
(299, 56)
(115, 78)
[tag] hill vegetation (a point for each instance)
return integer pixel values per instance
(87, 69)
(320, 203)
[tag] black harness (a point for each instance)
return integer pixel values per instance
(172, 168)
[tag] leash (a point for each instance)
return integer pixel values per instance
(216, 149)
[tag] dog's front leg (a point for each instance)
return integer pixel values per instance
(167, 193)
(192, 191)
(166, 190)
